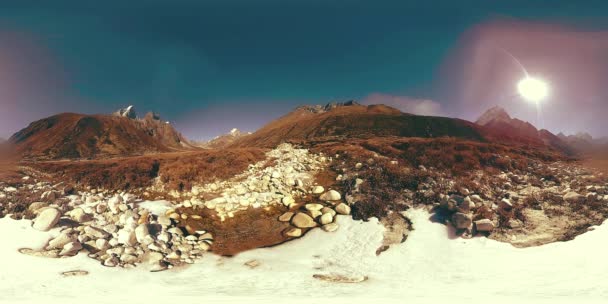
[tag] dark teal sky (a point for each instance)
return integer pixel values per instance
(211, 65)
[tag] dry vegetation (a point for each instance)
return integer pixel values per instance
(417, 160)
(177, 170)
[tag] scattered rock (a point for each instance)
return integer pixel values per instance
(286, 217)
(343, 208)
(318, 190)
(293, 232)
(573, 197)
(71, 248)
(326, 218)
(252, 264)
(330, 227)
(461, 220)
(331, 195)
(47, 219)
(484, 225)
(303, 220)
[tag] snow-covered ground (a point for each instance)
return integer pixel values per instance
(431, 267)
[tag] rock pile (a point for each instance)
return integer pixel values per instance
(288, 177)
(313, 215)
(116, 231)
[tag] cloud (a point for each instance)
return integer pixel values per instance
(406, 104)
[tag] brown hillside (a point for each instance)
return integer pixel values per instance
(71, 135)
(307, 124)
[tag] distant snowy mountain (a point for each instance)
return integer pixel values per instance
(224, 140)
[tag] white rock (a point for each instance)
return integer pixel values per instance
(331, 195)
(47, 219)
(293, 232)
(96, 232)
(127, 237)
(330, 227)
(318, 190)
(128, 258)
(110, 262)
(303, 220)
(102, 244)
(59, 241)
(343, 208)
(286, 217)
(326, 218)
(311, 207)
(141, 232)
(288, 200)
(71, 248)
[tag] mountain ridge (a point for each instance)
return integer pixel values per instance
(73, 135)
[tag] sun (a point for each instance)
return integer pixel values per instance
(533, 89)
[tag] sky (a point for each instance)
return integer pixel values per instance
(210, 66)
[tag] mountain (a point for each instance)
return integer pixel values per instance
(70, 135)
(584, 143)
(224, 140)
(499, 126)
(336, 121)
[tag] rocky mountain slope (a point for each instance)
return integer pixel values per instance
(351, 120)
(70, 135)
(498, 126)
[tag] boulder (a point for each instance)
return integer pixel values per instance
(329, 210)
(96, 232)
(293, 232)
(330, 227)
(286, 217)
(461, 220)
(331, 195)
(37, 206)
(326, 218)
(318, 190)
(127, 237)
(79, 215)
(303, 220)
(141, 232)
(315, 207)
(47, 219)
(288, 201)
(573, 197)
(505, 204)
(484, 225)
(71, 248)
(343, 208)
(61, 240)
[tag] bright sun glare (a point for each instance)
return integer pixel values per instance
(533, 89)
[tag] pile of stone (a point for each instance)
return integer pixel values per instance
(261, 185)
(313, 215)
(117, 232)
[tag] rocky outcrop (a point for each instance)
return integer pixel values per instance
(128, 112)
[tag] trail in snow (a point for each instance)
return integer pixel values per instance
(428, 267)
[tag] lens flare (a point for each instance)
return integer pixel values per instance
(533, 89)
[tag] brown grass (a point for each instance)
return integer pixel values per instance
(177, 170)
(386, 184)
